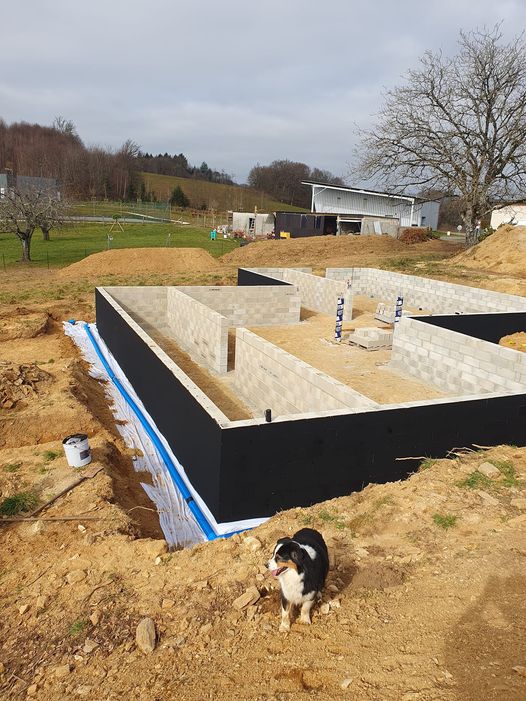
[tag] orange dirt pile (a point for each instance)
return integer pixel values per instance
(330, 251)
(129, 261)
(502, 252)
(515, 341)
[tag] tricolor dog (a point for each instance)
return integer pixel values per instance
(300, 565)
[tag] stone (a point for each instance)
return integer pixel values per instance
(81, 528)
(325, 608)
(23, 609)
(174, 642)
(346, 683)
(167, 603)
(248, 598)
(334, 604)
(83, 690)
(252, 544)
(75, 576)
(41, 602)
(89, 645)
(158, 560)
(519, 503)
(155, 548)
(62, 671)
(94, 618)
(32, 690)
(489, 470)
(146, 636)
(333, 588)
(517, 521)
(520, 669)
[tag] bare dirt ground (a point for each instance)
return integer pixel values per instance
(425, 596)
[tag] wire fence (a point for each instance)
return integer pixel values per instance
(55, 258)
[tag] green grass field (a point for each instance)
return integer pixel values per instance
(74, 242)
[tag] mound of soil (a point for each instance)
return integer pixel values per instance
(19, 382)
(515, 341)
(129, 261)
(23, 323)
(502, 252)
(327, 251)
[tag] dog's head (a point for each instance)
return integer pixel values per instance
(288, 555)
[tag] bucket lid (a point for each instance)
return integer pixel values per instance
(75, 438)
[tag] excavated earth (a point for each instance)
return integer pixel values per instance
(424, 599)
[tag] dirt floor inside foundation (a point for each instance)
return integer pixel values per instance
(367, 372)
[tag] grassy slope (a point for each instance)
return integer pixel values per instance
(215, 195)
(71, 243)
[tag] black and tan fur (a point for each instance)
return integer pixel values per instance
(300, 565)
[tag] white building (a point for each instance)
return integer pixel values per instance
(512, 214)
(352, 205)
(252, 223)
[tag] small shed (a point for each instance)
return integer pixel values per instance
(252, 223)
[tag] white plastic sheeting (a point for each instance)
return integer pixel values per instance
(178, 524)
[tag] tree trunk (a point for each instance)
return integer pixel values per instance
(469, 226)
(26, 243)
(45, 233)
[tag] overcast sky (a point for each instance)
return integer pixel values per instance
(232, 82)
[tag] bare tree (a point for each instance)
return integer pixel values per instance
(23, 210)
(457, 125)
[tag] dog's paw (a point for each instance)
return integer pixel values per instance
(305, 620)
(284, 628)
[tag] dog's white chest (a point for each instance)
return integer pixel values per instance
(291, 584)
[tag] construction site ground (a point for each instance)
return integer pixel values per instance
(425, 595)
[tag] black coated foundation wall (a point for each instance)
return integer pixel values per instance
(248, 277)
(193, 435)
(486, 327)
(257, 470)
(280, 465)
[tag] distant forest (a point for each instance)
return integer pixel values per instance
(86, 172)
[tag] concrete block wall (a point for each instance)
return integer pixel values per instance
(319, 293)
(252, 305)
(277, 272)
(268, 377)
(433, 296)
(147, 304)
(199, 330)
(456, 363)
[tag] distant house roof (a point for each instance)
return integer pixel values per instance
(362, 191)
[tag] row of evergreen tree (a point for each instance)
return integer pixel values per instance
(166, 164)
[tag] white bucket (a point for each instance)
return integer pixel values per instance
(77, 450)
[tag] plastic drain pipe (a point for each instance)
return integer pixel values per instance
(201, 519)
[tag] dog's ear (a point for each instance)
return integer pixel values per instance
(297, 555)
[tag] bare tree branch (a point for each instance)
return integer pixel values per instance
(457, 125)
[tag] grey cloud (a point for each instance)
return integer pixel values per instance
(232, 83)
